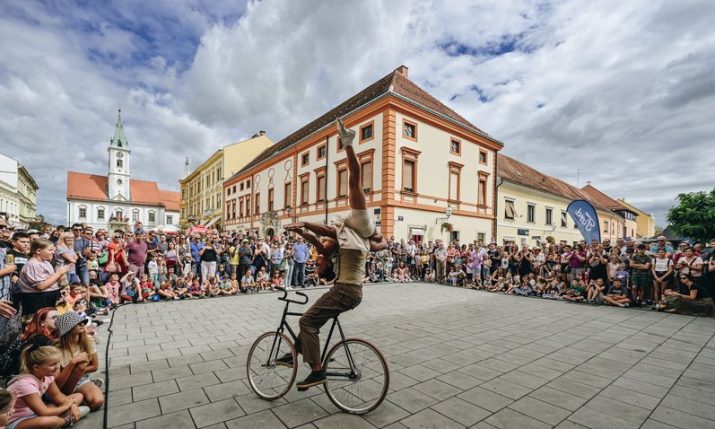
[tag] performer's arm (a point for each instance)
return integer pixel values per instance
(320, 229)
(312, 239)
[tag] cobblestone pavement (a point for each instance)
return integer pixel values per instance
(458, 358)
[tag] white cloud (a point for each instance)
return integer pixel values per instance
(623, 91)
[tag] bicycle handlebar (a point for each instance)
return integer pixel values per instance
(285, 296)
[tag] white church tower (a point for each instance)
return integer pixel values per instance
(118, 180)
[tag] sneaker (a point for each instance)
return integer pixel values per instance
(623, 305)
(83, 411)
(314, 379)
(285, 360)
(289, 288)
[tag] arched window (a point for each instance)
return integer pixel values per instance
(83, 212)
(135, 215)
(120, 163)
(152, 217)
(100, 213)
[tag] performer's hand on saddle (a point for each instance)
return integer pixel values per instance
(345, 135)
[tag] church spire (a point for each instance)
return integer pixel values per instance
(119, 140)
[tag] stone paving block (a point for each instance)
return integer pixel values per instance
(461, 411)
(429, 419)
(540, 410)
(485, 399)
(194, 381)
(412, 400)
(343, 421)
(507, 419)
(399, 381)
(641, 387)
(298, 413)
(210, 366)
(230, 374)
(459, 379)
(597, 420)
(231, 389)
(437, 389)
(680, 419)
(262, 420)
(125, 381)
(154, 390)
(694, 407)
(506, 388)
(182, 400)
(630, 397)
(133, 412)
(386, 414)
(205, 415)
(252, 403)
(573, 387)
(136, 368)
(178, 420)
(525, 379)
(559, 398)
(172, 373)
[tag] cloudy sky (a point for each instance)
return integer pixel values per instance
(623, 91)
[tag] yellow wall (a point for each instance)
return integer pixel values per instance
(508, 230)
(237, 155)
(645, 223)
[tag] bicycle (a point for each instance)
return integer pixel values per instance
(357, 375)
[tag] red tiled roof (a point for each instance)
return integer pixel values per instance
(92, 187)
(522, 174)
(394, 82)
(603, 199)
(144, 192)
(170, 199)
(84, 186)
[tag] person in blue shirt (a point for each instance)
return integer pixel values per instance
(196, 246)
(300, 257)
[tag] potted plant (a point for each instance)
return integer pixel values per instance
(446, 226)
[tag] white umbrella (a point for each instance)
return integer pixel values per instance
(171, 229)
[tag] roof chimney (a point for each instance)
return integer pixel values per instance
(588, 182)
(403, 70)
(261, 133)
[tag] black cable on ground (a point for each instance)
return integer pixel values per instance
(106, 369)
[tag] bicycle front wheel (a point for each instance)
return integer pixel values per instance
(268, 379)
(357, 376)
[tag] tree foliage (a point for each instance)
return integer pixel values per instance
(694, 216)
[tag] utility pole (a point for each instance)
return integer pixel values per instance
(578, 177)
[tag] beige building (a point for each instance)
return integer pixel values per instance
(27, 195)
(422, 164)
(202, 189)
(645, 222)
(531, 206)
(18, 193)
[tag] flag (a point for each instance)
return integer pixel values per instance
(583, 213)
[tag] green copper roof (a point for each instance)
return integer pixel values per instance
(119, 140)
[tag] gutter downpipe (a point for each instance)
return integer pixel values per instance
(325, 188)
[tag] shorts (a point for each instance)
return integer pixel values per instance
(81, 382)
(13, 424)
(360, 222)
(642, 282)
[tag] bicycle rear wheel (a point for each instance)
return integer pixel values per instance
(360, 387)
(266, 378)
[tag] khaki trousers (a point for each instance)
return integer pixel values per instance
(341, 297)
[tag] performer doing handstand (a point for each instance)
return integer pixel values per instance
(347, 241)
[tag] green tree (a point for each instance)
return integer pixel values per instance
(694, 216)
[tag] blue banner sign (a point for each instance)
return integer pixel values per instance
(583, 213)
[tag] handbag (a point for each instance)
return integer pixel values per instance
(103, 258)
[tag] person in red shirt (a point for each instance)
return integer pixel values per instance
(117, 261)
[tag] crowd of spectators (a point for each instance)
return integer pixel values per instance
(56, 284)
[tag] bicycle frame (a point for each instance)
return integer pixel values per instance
(284, 326)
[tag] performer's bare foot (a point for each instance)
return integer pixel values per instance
(345, 135)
